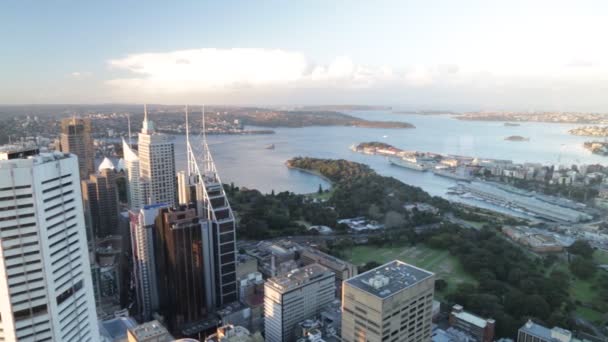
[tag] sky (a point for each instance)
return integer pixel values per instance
(453, 55)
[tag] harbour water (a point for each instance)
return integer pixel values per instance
(245, 160)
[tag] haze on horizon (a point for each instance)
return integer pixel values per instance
(465, 55)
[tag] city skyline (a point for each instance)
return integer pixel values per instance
(464, 56)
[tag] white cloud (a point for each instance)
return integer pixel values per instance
(279, 76)
(80, 74)
(217, 70)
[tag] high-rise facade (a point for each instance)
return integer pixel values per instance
(203, 186)
(157, 165)
(142, 226)
(136, 189)
(46, 291)
(180, 266)
(101, 200)
(294, 297)
(390, 303)
(76, 139)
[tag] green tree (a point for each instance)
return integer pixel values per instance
(320, 191)
(581, 248)
(582, 268)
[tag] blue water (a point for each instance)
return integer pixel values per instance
(245, 161)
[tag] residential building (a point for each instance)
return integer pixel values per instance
(75, 138)
(532, 332)
(294, 297)
(393, 302)
(46, 291)
(481, 329)
(142, 226)
(151, 331)
(157, 164)
(179, 257)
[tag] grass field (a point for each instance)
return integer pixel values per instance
(581, 290)
(440, 262)
(601, 257)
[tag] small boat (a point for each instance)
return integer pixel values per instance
(270, 147)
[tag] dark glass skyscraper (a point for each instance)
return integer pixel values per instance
(180, 263)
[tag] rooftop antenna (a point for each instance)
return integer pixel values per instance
(145, 112)
(129, 124)
(204, 129)
(189, 168)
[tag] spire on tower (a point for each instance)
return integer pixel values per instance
(148, 126)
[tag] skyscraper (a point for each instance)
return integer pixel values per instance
(135, 185)
(101, 200)
(76, 138)
(294, 297)
(46, 291)
(157, 164)
(180, 266)
(390, 303)
(142, 225)
(219, 230)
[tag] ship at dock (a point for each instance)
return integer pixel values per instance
(460, 176)
(409, 164)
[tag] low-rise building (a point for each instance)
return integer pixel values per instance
(232, 333)
(481, 329)
(532, 332)
(151, 331)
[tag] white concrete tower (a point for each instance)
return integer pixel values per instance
(157, 164)
(46, 291)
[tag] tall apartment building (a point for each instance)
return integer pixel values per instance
(180, 267)
(294, 297)
(46, 291)
(100, 196)
(390, 303)
(157, 165)
(76, 138)
(142, 226)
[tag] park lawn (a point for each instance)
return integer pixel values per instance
(444, 265)
(590, 314)
(601, 257)
(581, 290)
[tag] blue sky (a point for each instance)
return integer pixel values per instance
(426, 54)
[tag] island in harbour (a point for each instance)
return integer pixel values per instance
(511, 124)
(517, 138)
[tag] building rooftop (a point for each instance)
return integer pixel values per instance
(388, 279)
(464, 316)
(115, 329)
(556, 334)
(298, 277)
(150, 329)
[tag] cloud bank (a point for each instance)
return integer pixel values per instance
(267, 76)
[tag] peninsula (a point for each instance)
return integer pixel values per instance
(590, 131)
